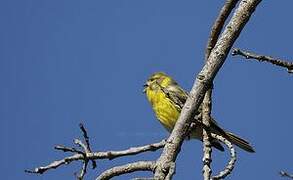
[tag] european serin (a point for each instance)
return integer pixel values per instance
(167, 99)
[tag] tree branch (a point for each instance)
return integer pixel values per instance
(97, 155)
(218, 25)
(203, 83)
(56, 164)
(127, 168)
(86, 155)
(131, 151)
(229, 167)
(207, 101)
(261, 58)
(207, 147)
(87, 143)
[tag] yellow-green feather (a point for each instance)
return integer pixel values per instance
(166, 111)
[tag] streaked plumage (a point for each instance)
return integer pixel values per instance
(167, 99)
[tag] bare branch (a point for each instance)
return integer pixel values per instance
(99, 155)
(131, 151)
(83, 156)
(261, 58)
(82, 171)
(207, 101)
(81, 144)
(228, 169)
(87, 143)
(86, 150)
(285, 174)
(56, 164)
(207, 147)
(67, 149)
(203, 83)
(218, 25)
(86, 138)
(128, 168)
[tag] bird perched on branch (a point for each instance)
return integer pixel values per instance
(167, 99)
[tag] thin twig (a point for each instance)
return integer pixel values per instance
(131, 151)
(56, 164)
(87, 143)
(229, 167)
(82, 171)
(261, 58)
(203, 83)
(81, 144)
(86, 138)
(86, 150)
(218, 25)
(127, 168)
(285, 174)
(97, 155)
(67, 149)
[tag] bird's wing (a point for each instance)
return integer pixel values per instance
(176, 94)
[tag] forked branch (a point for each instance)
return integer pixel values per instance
(83, 153)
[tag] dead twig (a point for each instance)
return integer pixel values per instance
(87, 143)
(85, 154)
(264, 58)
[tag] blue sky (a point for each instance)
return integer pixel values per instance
(65, 62)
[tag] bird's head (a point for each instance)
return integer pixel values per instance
(157, 80)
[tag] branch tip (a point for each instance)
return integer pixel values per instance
(263, 58)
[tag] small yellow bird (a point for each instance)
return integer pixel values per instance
(167, 99)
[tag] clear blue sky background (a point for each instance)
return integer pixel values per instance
(67, 61)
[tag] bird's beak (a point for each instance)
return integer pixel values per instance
(144, 87)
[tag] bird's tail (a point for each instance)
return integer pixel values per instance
(243, 144)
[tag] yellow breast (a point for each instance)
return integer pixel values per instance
(165, 110)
